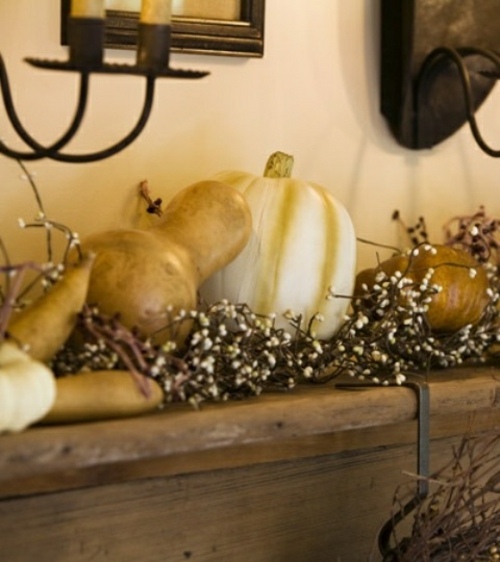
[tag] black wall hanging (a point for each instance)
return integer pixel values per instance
(439, 62)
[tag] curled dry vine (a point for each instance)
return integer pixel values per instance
(460, 518)
(15, 287)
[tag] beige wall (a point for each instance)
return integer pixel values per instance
(314, 94)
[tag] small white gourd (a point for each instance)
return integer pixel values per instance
(27, 389)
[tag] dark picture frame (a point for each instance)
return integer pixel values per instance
(243, 37)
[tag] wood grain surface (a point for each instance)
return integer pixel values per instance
(306, 413)
(295, 477)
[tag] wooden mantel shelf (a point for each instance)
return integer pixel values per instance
(44, 459)
(298, 476)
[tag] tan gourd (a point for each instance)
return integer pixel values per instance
(29, 391)
(27, 385)
(99, 395)
(44, 326)
(147, 276)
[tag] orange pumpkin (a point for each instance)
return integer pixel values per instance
(463, 281)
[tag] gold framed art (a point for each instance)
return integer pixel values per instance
(218, 27)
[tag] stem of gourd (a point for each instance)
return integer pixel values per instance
(279, 165)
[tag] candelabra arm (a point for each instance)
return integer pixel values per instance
(457, 57)
(126, 141)
(151, 64)
(41, 151)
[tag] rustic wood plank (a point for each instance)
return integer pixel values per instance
(324, 509)
(307, 475)
(250, 454)
(44, 453)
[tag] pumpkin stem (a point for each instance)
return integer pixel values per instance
(279, 165)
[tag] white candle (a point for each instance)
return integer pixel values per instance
(87, 9)
(156, 11)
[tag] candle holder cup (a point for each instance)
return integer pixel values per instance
(86, 42)
(153, 48)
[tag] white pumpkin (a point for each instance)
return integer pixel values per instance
(27, 389)
(303, 243)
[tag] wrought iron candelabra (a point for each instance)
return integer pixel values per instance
(86, 48)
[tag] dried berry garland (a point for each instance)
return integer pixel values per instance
(477, 234)
(233, 352)
(230, 353)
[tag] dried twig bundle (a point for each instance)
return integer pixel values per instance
(460, 519)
